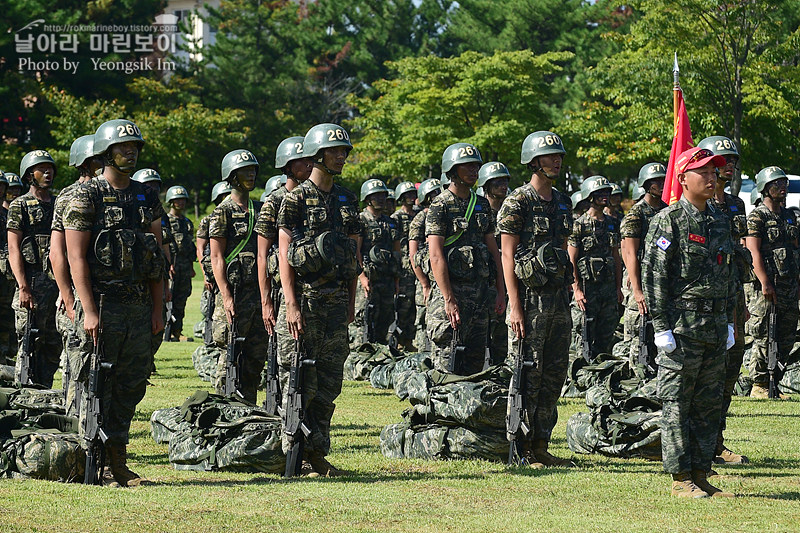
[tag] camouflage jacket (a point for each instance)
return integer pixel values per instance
(267, 223)
(231, 222)
(536, 221)
(733, 207)
(3, 223)
(34, 219)
(62, 201)
(182, 248)
(689, 277)
(594, 238)
(637, 221)
(778, 233)
(416, 230)
(446, 218)
(403, 222)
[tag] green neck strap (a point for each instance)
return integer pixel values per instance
(250, 220)
(473, 199)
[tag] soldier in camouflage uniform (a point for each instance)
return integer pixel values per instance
(493, 178)
(534, 223)
(633, 231)
(614, 207)
(464, 262)
(406, 195)
(81, 156)
(733, 206)
(218, 193)
(14, 189)
(319, 290)
(8, 334)
(234, 247)
(30, 217)
(772, 238)
(689, 279)
(418, 254)
(391, 203)
(379, 246)
(112, 229)
(183, 252)
(579, 204)
(593, 248)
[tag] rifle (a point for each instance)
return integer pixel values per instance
(208, 329)
(93, 431)
(586, 346)
(394, 329)
(773, 365)
(27, 356)
(646, 358)
(368, 331)
(233, 379)
(487, 351)
(515, 417)
(456, 351)
(170, 319)
(294, 423)
(273, 388)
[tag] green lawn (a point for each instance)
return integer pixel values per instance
(601, 494)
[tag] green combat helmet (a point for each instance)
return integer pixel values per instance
(236, 159)
(426, 188)
(755, 198)
(288, 150)
(273, 184)
(115, 132)
(767, 175)
(719, 145)
(458, 154)
(175, 192)
(577, 198)
(13, 180)
(593, 184)
(34, 158)
(490, 171)
(541, 143)
(372, 186)
(403, 188)
(390, 195)
(146, 175)
(444, 180)
(82, 149)
(3, 178)
(651, 171)
(616, 189)
(222, 188)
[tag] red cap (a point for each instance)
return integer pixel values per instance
(697, 158)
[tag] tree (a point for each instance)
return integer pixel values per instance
(492, 102)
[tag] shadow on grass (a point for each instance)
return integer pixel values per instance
(782, 496)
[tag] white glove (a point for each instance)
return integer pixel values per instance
(731, 340)
(665, 341)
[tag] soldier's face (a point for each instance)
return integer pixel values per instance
(246, 177)
(125, 155)
(600, 198)
(468, 172)
(43, 174)
(179, 204)
(551, 165)
(377, 200)
(408, 198)
(699, 182)
(726, 173)
(301, 168)
(498, 187)
(95, 166)
(334, 158)
(778, 188)
(656, 187)
(13, 192)
(615, 200)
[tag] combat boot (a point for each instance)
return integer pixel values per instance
(700, 481)
(544, 457)
(322, 467)
(684, 487)
(118, 460)
(759, 391)
(725, 456)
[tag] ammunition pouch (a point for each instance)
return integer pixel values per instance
(744, 264)
(468, 263)
(35, 250)
(380, 262)
(783, 263)
(241, 270)
(596, 269)
(331, 255)
(535, 267)
(5, 266)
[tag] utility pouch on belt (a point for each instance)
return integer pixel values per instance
(534, 268)
(467, 263)
(784, 262)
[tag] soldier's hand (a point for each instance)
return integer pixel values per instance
(26, 298)
(620, 297)
(766, 289)
(230, 312)
(70, 310)
(500, 304)
(91, 324)
(451, 310)
(364, 283)
(294, 319)
(516, 319)
(157, 321)
(426, 293)
(268, 313)
(172, 271)
(580, 299)
(208, 286)
(640, 303)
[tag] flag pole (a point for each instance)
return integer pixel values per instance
(676, 88)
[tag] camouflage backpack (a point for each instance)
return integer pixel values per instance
(434, 441)
(204, 359)
(360, 363)
(383, 377)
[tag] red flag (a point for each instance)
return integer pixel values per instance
(681, 141)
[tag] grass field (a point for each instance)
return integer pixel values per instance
(601, 494)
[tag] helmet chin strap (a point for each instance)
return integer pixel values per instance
(109, 161)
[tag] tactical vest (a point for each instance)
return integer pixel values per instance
(464, 247)
(37, 224)
(422, 258)
(5, 267)
(182, 231)
(777, 243)
(597, 238)
(734, 208)
(403, 221)
(380, 262)
(241, 269)
(122, 245)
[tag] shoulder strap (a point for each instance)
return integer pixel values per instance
(473, 199)
(243, 242)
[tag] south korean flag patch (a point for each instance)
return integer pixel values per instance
(663, 243)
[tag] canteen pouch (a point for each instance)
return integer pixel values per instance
(303, 255)
(784, 262)
(528, 269)
(744, 262)
(466, 263)
(242, 269)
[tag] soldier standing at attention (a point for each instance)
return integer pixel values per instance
(464, 255)
(378, 242)
(733, 206)
(633, 231)
(690, 289)
(493, 178)
(406, 195)
(8, 334)
(420, 261)
(14, 189)
(30, 217)
(183, 252)
(614, 207)
(98, 223)
(593, 248)
(234, 248)
(319, 291)
(534, 222)
(772, 236)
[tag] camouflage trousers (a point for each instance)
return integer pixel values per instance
(733, 366)
(498, 331)
(381, 314)
(71, 342)
(471, 300)
(47, 348)
(406, 309)
(126, 345)
(250, 325)
(690, 381)
(325, 341)
(421, 340)
(181, 290)
(603, 315)
(546, 342)
(8, 334)
(758, 327)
